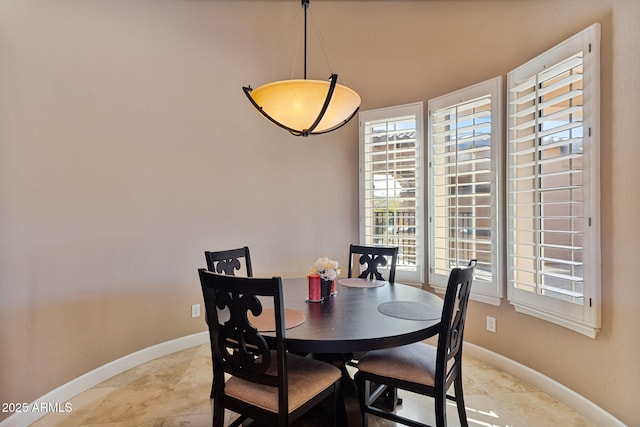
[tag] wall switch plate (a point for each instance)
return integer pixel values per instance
(491, 324)
(195, 310)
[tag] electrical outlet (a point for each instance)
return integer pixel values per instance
(195, 310)
(491, 324)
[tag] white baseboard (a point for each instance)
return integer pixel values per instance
(84, 382)
(578, 403)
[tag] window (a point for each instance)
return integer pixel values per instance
(553, 232)
(391, 189)
(464, 193)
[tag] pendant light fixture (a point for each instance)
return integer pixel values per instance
(305, 107)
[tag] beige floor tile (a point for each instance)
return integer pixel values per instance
(492, 379)
(481, 411)
(159, 371)
(538, 408)
(134, 423)
(200, 420)
(80, 405)
(174, 391)
(130, 403)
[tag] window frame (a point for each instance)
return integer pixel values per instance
(584, 318)
(404, 275)
(488, 291)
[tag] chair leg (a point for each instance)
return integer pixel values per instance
(218, 415)
(440, 402)
(391, 398)
(332, 404)
(462, 412)
(364, 389)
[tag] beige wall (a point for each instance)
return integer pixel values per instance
(127, 149)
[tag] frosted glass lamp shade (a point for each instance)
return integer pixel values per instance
(306, 107)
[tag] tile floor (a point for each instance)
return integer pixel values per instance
(174, 391)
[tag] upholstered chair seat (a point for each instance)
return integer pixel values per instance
(413, 362)
(306, 378)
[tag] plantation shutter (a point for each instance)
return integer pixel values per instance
(553, 240)
(464, 147)
(391, 185)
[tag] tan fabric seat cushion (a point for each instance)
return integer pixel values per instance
(413, 362)
(307, 377)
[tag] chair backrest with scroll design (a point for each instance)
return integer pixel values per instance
(228, 261)
(374, 257)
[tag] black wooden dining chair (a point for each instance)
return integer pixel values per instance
(419, 367)
(228, 261)
(374, 257)
(273, 387)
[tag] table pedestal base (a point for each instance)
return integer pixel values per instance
(348, 411)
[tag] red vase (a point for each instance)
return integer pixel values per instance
(314, 288)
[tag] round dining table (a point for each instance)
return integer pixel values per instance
(360, 317)
(351, 321)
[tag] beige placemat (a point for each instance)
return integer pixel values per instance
(361, 283)
(266, 322)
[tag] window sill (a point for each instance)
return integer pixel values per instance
(581, 328)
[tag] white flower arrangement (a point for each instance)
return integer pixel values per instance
(326, 268)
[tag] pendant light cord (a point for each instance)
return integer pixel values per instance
(305, 5)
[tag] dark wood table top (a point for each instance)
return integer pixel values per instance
(350, 321)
